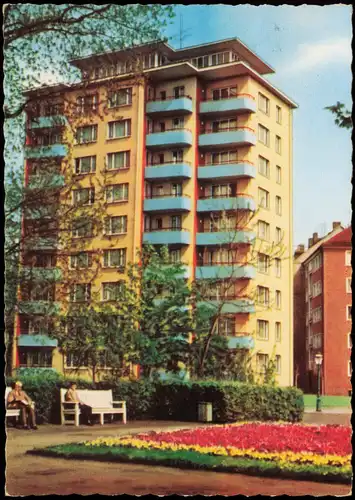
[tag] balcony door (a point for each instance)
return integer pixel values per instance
(221, 190)
(175, 222)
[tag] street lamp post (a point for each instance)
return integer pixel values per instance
(318, 360)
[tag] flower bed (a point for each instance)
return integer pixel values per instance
(290, 450)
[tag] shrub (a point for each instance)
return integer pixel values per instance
(231, 401)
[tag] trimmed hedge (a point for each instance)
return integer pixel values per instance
(231, 401)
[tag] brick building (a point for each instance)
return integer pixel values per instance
(322, 312)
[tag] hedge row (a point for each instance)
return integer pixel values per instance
(231, 401)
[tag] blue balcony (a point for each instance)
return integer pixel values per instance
(48, 121)
(167, 237)
(54, 151)
(169, 138)
(42, 307)
(168, 171)
(229, 138)
(46, 181)
(230, 306)
(41, 274)
(36, 341)
(235, 271)
(227, 171)
(167, 203)
(170, 106)
(241, 342)
(243, 103)
(41, 244)
(224, 237)
(240, 202)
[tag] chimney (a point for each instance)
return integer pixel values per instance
(310, 242)
(299, 251)
(315, 238)
(336, 224)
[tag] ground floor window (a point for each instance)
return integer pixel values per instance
(41, 358)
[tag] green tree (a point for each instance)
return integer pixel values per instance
(343, 118)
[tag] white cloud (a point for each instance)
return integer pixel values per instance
(310, 56)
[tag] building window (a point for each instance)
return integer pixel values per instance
(278, 174)
(317, 314)
(80, 292)
(263, 135)
(119, 160)
(263, 295)
(350, 342)
(350, 369)
(278, 144)
(348, 258)
(316, 288)
(316, 262)
(264, 104)
(42, 292)
(278, 114)
(41, 358)
(278, 299)
(278, 331)
(115, 258)
(264, 167)
(116, 193)
(85, 165)
(262, 331)
(82, 227)
(179, 91)
(278, 364)
(86, 104)
(278, 205)
(72, 361)
(175, 256)
(223, 93)
(111, 291)
(264, 198)
(263, 263)
(116, 225)
(122, 97)
(84, 196)
(226, 325)
(278, 234)
(86, 134)
(80, 260)
(348, 285)
(348, 313)
(119, 129)
(263, 230)
(278, 268)
(262, 361)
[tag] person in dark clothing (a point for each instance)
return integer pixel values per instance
(71, 396)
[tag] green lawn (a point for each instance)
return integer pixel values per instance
(327, 401)
(194, 460)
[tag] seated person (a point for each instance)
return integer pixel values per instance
(71, 396)
(17, 398)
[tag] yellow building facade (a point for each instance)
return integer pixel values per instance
(178, 148)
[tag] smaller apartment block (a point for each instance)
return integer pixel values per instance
(322, 312)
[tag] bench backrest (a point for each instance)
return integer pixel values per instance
(99, 399)
(7, 392)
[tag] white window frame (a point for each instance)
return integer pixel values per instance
(278, 268)
(87, 292)
(350, 342)
(109, 192)
(264, 198)
(123, 225)
(112, 130)
(79, 139)
(278, 144)
(110, 160)
(114, 285)
(348, 284)
(77, 193)
(263, 295)
(278, 299)
(262, 327)
(263, 230)
(350, 368)
(264, 166)
(278, 114)
(83, 106)
(265, 263)
(278, 234)
(278, 174)
(78, 164)
(108, 257)
(278, 205)
(278, 364)
(348, 258)
(264, 104)
(75, 231)
(261, 366)
(278, 331)
(348, 312)
(264, 130)
(74, 261)
(113, 99)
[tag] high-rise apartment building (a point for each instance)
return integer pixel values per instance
(322, 305)
(176, 145)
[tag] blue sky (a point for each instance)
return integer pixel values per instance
(310, 49)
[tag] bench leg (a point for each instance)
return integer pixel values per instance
(77, 419)
(101, 418)
(124, 418)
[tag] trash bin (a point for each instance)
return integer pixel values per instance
(204, 412)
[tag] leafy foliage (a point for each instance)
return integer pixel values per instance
(343, 118)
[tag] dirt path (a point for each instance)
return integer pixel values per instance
(33, 475)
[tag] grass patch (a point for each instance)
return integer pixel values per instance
(327, 401)
(194, 460)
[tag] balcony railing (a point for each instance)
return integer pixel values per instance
(170, 162)
(211, 130)
(207, 99)
(164, 228)
(210, 163)
(152, 196)
(201, 263)
(168, 98)
(175, 129)
(230, 195)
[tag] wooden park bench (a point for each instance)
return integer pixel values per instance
(11, 412)
(101, 403)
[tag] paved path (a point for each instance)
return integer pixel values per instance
(34, 475)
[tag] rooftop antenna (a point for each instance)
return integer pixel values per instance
(183, 33)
